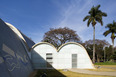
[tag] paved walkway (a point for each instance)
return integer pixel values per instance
(106, 67)
(93, 72)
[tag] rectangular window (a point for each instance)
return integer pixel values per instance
(49, 59)
(48, 53)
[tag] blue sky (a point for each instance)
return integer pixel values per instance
(35, 17)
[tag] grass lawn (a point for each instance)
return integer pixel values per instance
(106, 63)
(109, 65)
(61, 73)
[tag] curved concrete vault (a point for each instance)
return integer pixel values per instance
(69, 55)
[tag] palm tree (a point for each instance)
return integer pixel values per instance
(111, 29)
(95, 15)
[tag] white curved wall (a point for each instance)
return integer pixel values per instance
(39, 55)
(65, 57)
(62, 58)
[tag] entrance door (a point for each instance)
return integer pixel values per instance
(74, 60)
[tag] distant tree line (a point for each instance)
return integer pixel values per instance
(103, 50)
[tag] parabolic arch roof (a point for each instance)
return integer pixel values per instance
(59, 47)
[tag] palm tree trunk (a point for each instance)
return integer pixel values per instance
(93, 44)
(112, 45)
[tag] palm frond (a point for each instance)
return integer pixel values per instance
(108, 25)
(106, 33)
(100, 13)
(104, 14)
(111, 27)
(91, 11)
(99, 19)
(97, 7)
(101, 22)
(95, 15)
(114, 23)
(89, 21)
(87, 17)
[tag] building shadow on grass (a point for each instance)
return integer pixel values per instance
(43, 66)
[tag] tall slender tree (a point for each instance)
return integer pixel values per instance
(111, 29)
(95, 15)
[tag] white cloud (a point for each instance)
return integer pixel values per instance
(73, 17)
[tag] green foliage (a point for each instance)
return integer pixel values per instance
(95, 15)
(114, 55)
(111, 29)
(108, 53)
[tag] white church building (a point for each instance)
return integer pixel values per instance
(70, 55)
